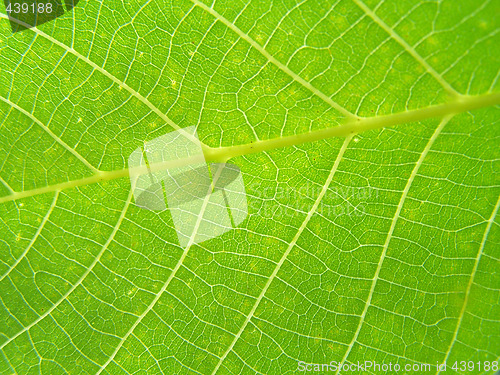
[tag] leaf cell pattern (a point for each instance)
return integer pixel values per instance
(380, 244)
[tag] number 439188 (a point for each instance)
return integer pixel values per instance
(25, 8)
(475, 366)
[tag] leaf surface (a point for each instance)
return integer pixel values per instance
(367, 136)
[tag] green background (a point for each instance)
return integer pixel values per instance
(406, 272)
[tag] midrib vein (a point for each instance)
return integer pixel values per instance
(464, 104)
(273, 60)
(223, 154)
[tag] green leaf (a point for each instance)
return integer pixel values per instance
(367, 137)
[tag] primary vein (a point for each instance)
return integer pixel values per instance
(223, 154)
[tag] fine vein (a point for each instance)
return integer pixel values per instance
(35, 237)
(81, 279)
(171, 276)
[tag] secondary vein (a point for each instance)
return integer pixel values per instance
(100, 69)
(273, 60)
